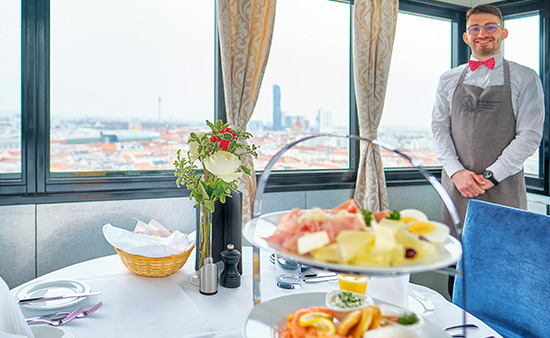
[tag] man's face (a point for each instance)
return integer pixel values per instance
(483, 44)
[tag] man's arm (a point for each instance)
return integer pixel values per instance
(529, 106)
(441, 126)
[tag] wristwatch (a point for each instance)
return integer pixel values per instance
(488, 174)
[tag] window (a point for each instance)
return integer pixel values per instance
(97, 95)
(306, 87)
(10, 89)
(128, 86)
(523, 46)
(412, 83)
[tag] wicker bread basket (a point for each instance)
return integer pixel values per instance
(153, 266)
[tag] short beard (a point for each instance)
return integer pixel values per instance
(485, 51)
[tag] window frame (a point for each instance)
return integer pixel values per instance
(36, 185)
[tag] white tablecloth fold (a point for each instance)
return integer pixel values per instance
(12, 322)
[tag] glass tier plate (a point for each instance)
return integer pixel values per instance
(263, 226)
(264, 320)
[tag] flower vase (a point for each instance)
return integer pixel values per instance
(203, 240)
(204, 235)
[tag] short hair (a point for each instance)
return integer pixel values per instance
(484, 9)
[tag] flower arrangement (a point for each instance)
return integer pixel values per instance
(210, 169)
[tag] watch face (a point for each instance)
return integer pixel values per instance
(487, 174)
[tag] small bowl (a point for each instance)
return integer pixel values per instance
(391, 331)
(340, 312)
(389, 310)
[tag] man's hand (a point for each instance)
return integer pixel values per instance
(469, 184)
(486, 183)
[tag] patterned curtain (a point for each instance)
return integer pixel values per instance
(245, 30)
(374, 24)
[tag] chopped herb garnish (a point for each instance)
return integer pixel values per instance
(407, 319)
(348, 300)
(395, 215)
(367, 216)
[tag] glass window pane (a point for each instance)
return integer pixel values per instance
(412, 83)
(523, 46)
(305, 89)
(10, 88)
(130, 79)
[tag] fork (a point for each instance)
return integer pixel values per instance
(57, 322)
(65, 313)
(467, 326)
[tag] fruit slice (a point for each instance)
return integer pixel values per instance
(324, 326)
(310, 318)
(352, 242)
(329, 253)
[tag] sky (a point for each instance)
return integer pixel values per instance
(108, 61)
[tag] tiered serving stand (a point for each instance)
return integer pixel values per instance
(263, 225)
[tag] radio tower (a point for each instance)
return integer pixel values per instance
(160, 102)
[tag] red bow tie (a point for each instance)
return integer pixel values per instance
(489, 63)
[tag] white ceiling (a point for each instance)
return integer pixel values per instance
(468, 3)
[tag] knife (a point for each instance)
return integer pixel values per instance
(74, 295)
(320, 278)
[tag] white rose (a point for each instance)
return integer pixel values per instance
(224, 165)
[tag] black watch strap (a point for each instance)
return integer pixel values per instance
(488, 174)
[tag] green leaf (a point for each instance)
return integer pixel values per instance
(245, 169)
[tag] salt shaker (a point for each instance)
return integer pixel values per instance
(208, 277)
(230, 277)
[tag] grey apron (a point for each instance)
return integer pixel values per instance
(482, 125)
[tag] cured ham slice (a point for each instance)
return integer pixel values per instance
(297, 222)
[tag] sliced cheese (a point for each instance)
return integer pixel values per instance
(311, 241)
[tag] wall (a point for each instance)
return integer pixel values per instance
(36, 239)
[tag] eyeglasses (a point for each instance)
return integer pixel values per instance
(490, 28)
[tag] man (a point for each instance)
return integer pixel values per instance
(487, 119)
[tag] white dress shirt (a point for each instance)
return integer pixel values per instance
(527, 103)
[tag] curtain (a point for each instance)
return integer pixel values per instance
(245, 30)
(374, 24)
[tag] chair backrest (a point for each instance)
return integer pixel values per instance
(506, 268)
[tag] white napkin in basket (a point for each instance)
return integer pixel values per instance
(12, 322)
(154, 240)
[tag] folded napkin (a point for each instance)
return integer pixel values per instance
(12, 322)
(393, 289)
(148, 240)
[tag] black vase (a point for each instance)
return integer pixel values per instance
(226, 227)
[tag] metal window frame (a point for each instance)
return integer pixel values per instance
(37, 186)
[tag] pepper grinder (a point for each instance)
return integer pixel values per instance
(230, 277)
(208, 276)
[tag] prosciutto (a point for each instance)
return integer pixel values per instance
(297, 222)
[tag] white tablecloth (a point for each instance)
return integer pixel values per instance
(171, 306)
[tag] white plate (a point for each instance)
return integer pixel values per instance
(264, 226)
(265, 319)
(45, 331)
(49, 288)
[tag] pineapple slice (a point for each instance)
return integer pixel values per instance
(352, 242)
(422, 249)
(329, 253)
(385, 240)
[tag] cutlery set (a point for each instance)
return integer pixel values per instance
(60, 318)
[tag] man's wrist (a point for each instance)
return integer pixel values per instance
(488, 175)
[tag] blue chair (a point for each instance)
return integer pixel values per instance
(506, 269)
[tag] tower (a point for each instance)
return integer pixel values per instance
(277, 108)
